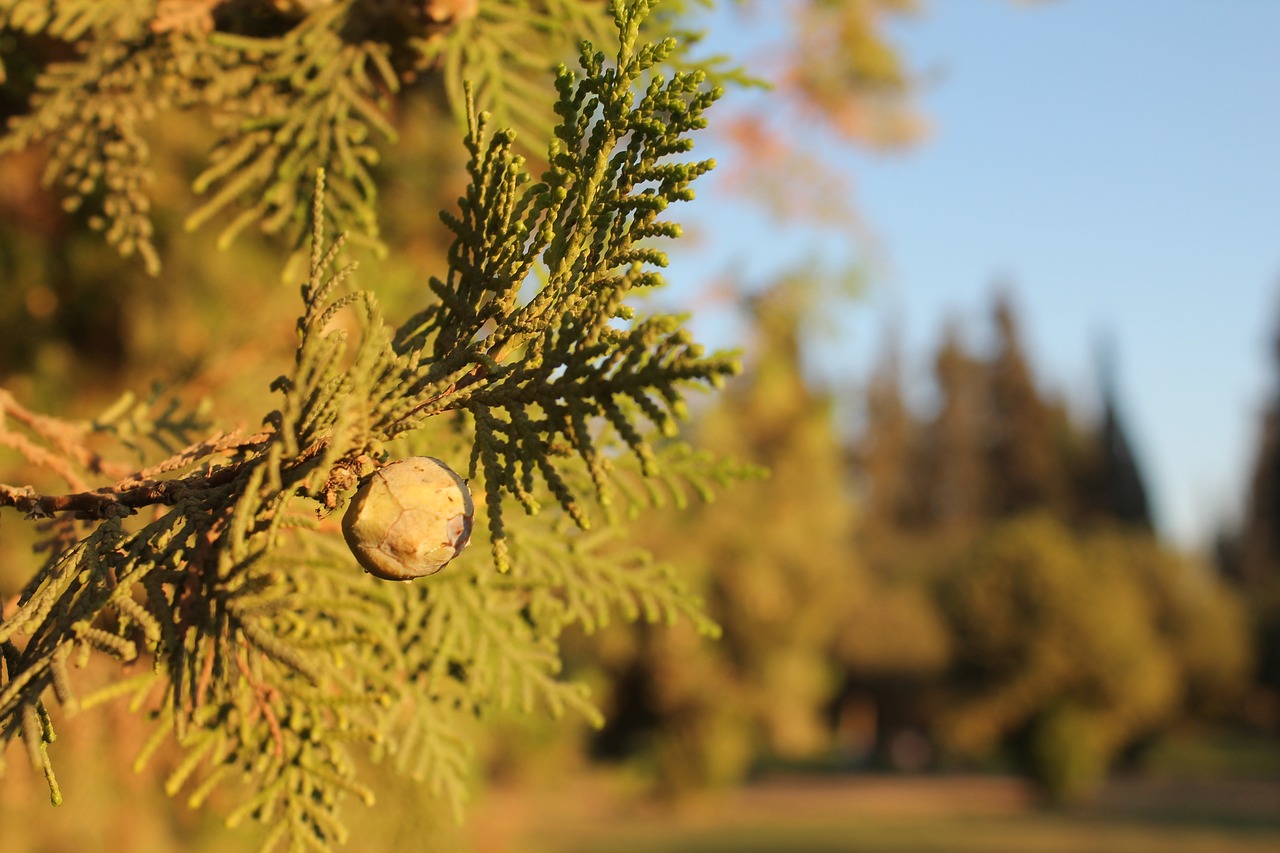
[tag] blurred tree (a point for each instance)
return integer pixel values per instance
(1071, 635)
(1251, 558)
(895, 644)
(835, 72)
(1069, 649)
(1199, 618)
(1122, 489)
(778, 575)
(958, 479)
(1022, 462)
(1260, 549)
(886, 459)
(1108, 483)
(844, 66)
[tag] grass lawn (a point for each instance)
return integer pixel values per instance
(931, 814)
(943, 835)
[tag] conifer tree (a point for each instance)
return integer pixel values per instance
(1260, 552)
(212, 570)
(1036, 545)
(1261, 547)
(1120, 493)
(886, 455)
(1256, 564)
(957, 471)
(1021, 453)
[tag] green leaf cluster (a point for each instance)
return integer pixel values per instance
(289, 87)
(215, 576)
(536, 373)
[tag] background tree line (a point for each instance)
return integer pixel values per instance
(973, 579)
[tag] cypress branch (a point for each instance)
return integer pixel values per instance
(271, 652)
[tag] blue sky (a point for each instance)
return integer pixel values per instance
(1117, 163)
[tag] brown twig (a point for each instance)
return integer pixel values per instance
(215, 444)
(139, 490)
(66, 437)
(112, 501)
(42, 458)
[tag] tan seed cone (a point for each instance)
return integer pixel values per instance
(409, 519)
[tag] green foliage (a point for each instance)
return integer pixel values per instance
(773, 560)
(291, 88)
(1066, 755)
(215, 576)
(93, 112)
(1071, 648)
(1199, 619)
(502, 51)
(504, 359)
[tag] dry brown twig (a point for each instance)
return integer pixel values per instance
(66, 438)
(142, 488)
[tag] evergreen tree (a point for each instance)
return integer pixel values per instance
(1255, 566)
(1260, 558)
(958, 478)
(1070, 633)
(1021, 458)
(886, 452)
(1121, 494)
